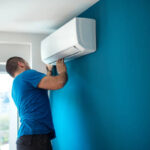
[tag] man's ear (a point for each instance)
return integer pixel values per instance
(21, 64)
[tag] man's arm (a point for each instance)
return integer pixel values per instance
(55, 82)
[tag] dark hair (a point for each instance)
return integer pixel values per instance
(12, 65)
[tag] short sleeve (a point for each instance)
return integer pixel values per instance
(33, 77)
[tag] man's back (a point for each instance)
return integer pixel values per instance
(32, 104)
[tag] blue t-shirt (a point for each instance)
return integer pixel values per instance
(32, 104)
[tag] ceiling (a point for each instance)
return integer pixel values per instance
(39, 16)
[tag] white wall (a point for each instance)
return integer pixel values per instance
(28, 39)
(8, 50)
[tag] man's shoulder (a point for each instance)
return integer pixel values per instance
(23, 75)
(26, 73)
(31, 71)
(30, 76)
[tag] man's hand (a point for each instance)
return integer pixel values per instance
(55, 82)
(49, 68)
(61, 67)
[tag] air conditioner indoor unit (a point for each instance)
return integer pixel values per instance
(74, 39)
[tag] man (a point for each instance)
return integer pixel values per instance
(29, 92)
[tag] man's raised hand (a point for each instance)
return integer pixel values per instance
(61, 67)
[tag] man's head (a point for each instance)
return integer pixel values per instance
(16, 65)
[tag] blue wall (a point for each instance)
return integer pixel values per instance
(106, 102)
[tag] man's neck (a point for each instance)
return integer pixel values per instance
(18, 72)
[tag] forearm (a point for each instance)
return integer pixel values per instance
(54, 82)
(63, 77)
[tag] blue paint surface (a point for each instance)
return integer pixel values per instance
(106, 102)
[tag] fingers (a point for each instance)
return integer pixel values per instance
(49, 67)
(60, 60)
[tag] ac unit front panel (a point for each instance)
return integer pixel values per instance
(66, 54)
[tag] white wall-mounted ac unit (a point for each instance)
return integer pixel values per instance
(74, 39)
